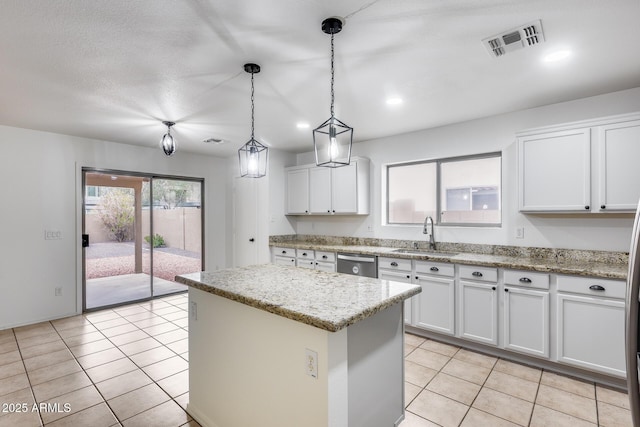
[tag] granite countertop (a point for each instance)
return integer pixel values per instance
(329, 301)
(559, 263)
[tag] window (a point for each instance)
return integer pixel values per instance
(460, 191)
(411, 193)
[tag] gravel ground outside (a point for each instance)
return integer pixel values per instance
(114, 259)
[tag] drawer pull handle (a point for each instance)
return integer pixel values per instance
(596, 288)
(603, 206)
(493, 288)
(324, 257)
(506, 290)
(525, 280)
(476, 274)
(434, 269)
(304, 254)
(587, 207)
(408, 277)
(394, 264)
(293, 260)
(284, 252)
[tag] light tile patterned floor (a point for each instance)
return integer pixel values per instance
(126, 366)
(129, 366)
(449, 386)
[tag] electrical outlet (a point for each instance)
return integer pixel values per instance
(311, 363)
(58, 292)
(52, 235)
(194, 310)
(520, 233)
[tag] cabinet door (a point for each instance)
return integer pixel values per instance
(591, 333)
(526, 321)
(320, 190)
(298, 191)
(436, 304)
(554, 173)
(478, 308)
(619, 151)
(326, 266)
(345, 189)
(404, 277)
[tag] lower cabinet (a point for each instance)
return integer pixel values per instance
(478, 311)
(591, 323)
(404, 277)
(526, 321)
(436, 304)
(526, 312)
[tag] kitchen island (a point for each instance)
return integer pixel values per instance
(283, 346)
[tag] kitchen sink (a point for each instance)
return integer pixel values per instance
(424, 252)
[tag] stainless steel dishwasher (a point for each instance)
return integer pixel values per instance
(358, 265)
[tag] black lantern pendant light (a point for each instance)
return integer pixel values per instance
(332, 140)
(168, 142)
(253, 155)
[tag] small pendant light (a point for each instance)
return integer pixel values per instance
(168, 143)
(253, 155)
(332, 140)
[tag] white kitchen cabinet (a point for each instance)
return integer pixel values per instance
(320, 190)
(587, 166)
(436, 304)
(526, 312)
(477, 304)
(298, 191)
(283, 255)
(329, 191)
(555, 171)
(619, 175)
(526, 321)
(398, 270)
(591, 324)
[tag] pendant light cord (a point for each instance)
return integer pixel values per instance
(252, 109)
(332, 73)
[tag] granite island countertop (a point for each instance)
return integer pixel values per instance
(329, 301)
(555, 261)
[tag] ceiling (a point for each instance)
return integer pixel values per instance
(115, 69)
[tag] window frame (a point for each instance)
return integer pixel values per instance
(439, 162)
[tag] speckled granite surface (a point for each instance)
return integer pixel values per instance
(607, 265)
(329, 301)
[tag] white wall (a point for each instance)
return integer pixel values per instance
(496, 133)
(42, 190)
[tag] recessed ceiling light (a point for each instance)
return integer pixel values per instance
(302, 125)
(556, 56)
(394, 101)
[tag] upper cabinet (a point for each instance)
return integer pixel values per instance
(298, 191)
(580, 167)
(328, 191)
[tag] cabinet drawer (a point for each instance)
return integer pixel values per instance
(592, 286)
(396, 276)
(435, 268)
(325, 256)
(305, 253)
(526, 279)
(484, 274)
(280, 251)
(394, 264)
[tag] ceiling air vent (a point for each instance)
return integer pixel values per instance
(524, 36)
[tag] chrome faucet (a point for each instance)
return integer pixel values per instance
(428, 230)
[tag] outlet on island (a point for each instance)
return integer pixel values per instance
(311, 363)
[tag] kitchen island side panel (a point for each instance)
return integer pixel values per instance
(247, 368)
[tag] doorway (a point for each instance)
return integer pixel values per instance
(139, 232)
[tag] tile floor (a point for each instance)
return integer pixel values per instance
(449, 386)
(129, 366)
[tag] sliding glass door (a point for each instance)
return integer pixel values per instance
(139, 232)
